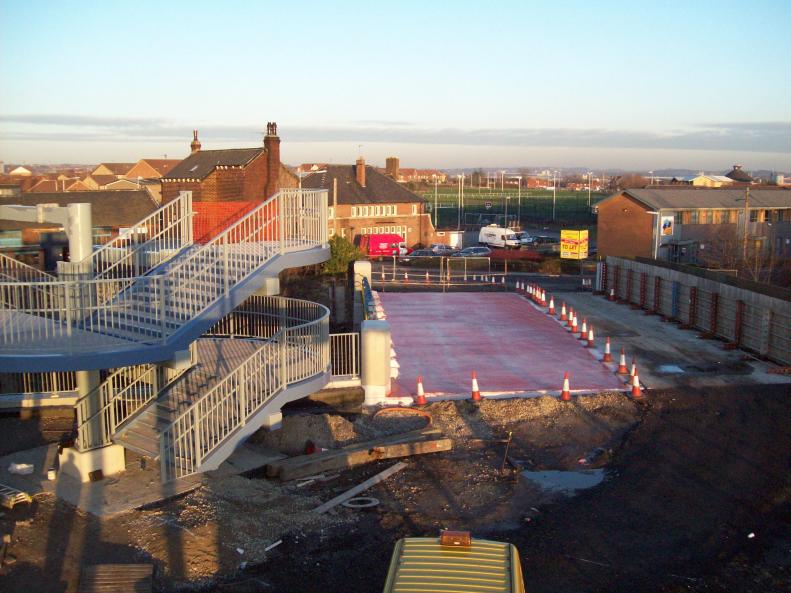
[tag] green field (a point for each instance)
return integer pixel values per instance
(534, 206)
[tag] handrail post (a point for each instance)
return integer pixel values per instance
(283, 359)
(196, 437)
(281, 222)
(242, 390)
(226, 277)
(163, 305)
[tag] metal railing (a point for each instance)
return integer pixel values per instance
(77, 315)
(120, 395)
(290, 355)
(345, 354)
(16, 271)
(44, 382)
(147, 244)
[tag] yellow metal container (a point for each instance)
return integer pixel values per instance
(424, 565)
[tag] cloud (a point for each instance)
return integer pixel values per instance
(733, 136)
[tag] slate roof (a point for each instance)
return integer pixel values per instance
(109, 208)
(379, 189)
(739, 174)
(199, 164)
(116, 168)
(691, 198)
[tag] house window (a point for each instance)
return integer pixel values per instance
(395, 209)
(694, 217)
(753, 215)
(679, 217)
(707, 217)
(331, 212)
(377, 211)
(786, 215)
(332, 232)
(354, 210)
(733, 216)
(414, 209)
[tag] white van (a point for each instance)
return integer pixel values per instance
(495, 236)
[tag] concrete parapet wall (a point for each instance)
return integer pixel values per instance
(754, 321)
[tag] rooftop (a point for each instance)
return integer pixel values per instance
(199, 164)
(679, 198)
(379, 189)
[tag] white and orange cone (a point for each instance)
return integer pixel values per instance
(636, 392)
(551, 305)
(563, 314)
(612, 295)
(607, 353)
(590, 338)
(622, 370)
(570, 317)
(574, 326)
(476, 393)
(584, 330)
(406, 276)
(565, 395)
(543, 297)
(633, 369)
(427, 277)
(420, 398)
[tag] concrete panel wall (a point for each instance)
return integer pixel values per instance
(762, 324)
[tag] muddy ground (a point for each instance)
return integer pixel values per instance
(689, 476)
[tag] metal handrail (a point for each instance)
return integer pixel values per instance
(150, 308)
(12, 269)
(291, 355)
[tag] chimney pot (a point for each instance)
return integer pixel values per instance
(195, 144)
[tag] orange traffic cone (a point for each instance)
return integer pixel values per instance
(622, 370)
(543, 297)
(590, 338)
(584, 330)
(563, 315)
(633, 370)
(406, 276)
(574, 326)
(607, 353)
(636, 392)
(612, 295)
(476, 393)
(551, 305)
(570, 317)
(420, 398)
(565, 395)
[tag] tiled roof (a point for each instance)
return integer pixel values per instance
(379, 189)
(162, 166)
(116, 168)
(199, 164)
(108, 208)
(103, 179)
(677, 198)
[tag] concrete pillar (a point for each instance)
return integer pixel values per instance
(271, 287)
(375, 347)
(273, 421)
(109, 459)
(362, 269)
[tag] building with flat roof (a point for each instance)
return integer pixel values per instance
(693, 224)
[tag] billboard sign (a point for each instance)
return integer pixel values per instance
(666, 227)
(573, 244)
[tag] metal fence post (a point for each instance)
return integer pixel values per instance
(196, 437)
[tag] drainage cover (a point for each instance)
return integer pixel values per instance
(361, 502)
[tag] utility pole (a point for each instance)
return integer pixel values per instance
(746, 217)
(435, 199)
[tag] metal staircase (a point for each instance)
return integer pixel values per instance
(113, 319)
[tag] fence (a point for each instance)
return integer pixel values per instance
(345, 355)
(755, 318)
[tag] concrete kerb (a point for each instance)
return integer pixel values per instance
(596, 352)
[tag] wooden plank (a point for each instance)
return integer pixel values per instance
(118, 578)
(347, 459)
(337, 458)
(380, 477)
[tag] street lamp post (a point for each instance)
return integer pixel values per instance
(519, 199)
(507, 199)
(590, 181)
(554, 193)
(502, 180)
(458, 206)
(434, 176)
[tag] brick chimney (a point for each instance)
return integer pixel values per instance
(272, 145)
(195, 144)
(360, 171)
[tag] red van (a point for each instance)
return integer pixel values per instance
(386, 244)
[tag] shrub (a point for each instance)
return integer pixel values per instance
(343, 252)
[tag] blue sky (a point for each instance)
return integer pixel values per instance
(605, 84)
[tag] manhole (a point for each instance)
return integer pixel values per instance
(361, 502)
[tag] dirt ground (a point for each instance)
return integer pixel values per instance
(689, 476)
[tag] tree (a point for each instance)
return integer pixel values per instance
(342, 253)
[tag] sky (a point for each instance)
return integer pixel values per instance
(698, 85)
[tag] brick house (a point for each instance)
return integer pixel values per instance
(151, 168)
(236, 174)
(363, 201)
(118, 170)
(692, 225)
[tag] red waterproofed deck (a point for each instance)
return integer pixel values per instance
(513, 346)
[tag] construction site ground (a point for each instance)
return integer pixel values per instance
(696, 495)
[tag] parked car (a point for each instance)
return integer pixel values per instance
(473, 252)
(442, 249)
(416, 254)
(525, 240)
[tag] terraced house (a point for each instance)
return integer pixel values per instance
(363, 201)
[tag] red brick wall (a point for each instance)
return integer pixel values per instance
(256, 175)
(211, 218)
(624, 228)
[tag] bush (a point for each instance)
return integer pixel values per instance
(343, 252)
(550, 266)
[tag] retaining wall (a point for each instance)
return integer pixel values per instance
(751, 317)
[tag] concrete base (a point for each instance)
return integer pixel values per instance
(181, 361)
(271, 287)
(80, 464)
(375, 395)
(273, 421)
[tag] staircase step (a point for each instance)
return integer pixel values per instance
(138, 443)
